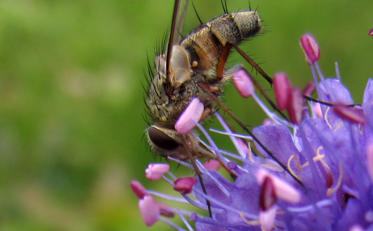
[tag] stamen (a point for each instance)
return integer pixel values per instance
(186, 164)
(155, 171)
(185, 222)
(316, 80)
(195, 203)
(308, 208)
(340, 123)
(184, 185)
(320, 157)
(352, 114)
(319, 72)
(167, 197)
(225, 206)
(233, 139)
(216, 181)
(337, 72)
(190, 117)
(251, 223)
(267, 219)
(211, 141)
(172, 224)
(289, 166)
(267, 197)
(237, 135)
(212, 165)
(310, 48)
(283, 189)
(331, 191)
(149, 209)
(138, 189)
(243, 83)
(282, 89)
(295, 106)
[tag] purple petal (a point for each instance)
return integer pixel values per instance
(368, 102)
(333, 91)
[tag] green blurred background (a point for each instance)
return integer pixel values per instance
(71, 97)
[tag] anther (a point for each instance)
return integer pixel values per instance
(282, 88)
(243, 83)
(149, 210)
(310, 48)
(155, 171)
(295, 106)
(190, 117)
(184, 185)
(138, 189)
(352, 114)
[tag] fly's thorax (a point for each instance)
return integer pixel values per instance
(168, 96)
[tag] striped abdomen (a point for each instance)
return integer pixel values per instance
(206, 43)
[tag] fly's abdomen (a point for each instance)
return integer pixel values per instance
(206, 44)
(235, 27)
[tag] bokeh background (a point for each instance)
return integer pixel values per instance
(71, 96)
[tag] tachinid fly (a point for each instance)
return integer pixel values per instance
(194, 68)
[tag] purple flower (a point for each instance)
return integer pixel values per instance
(326, 146)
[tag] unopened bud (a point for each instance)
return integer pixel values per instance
(190, 117)
(243, 83)
(184, 185)
(311, 48)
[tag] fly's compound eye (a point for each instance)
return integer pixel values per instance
(161, 139)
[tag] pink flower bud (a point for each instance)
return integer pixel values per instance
(184, 185)
(267, 219)
(295, 106)
(243, 83)
(149, 210)
(310, 48)
(155, 171)
(282, 88)
(190, 117)
(352, 114)
(267, 194)
(212, 165)
(283, 190)
(371, 32)
(138, 189)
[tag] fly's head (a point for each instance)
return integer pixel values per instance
(168, 143)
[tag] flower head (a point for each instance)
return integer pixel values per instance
(313, 171)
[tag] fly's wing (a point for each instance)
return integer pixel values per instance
(180, 23)
(178, 69)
